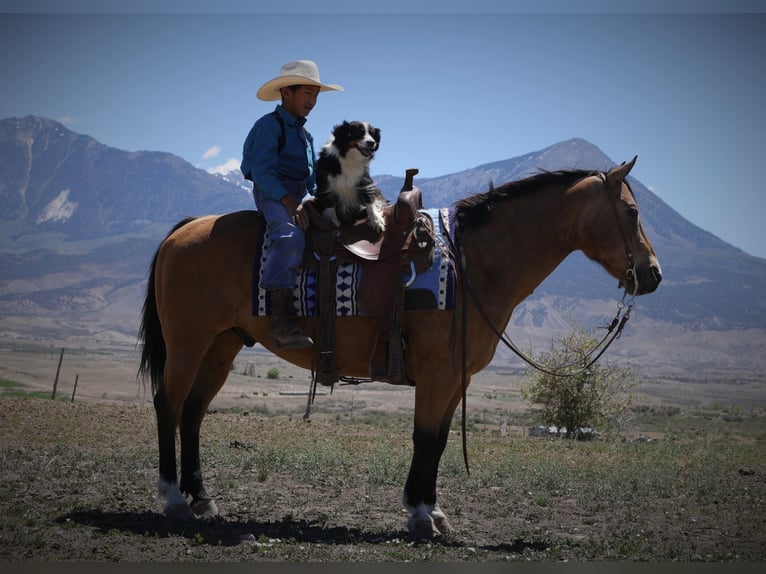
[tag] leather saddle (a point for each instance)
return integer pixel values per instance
(406, 246)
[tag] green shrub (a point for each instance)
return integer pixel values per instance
(574, 397)
(273, 373)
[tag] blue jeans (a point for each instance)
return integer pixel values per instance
(287, 242)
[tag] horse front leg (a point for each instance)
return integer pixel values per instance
(432, 423)
(211, 376)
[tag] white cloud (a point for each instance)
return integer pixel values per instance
(231, 164)
(211, 152)
(68, 120)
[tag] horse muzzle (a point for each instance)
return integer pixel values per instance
(642, 280)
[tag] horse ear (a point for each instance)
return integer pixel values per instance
(620, 172)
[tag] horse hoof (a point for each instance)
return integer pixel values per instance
(422, 529)
(204, 508)
(440, 521)
(442, 524)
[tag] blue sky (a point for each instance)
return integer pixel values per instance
(681, 84)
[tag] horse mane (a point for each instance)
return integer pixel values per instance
(474, 210)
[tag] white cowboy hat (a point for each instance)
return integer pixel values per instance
(299, 72)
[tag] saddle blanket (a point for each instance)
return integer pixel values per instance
(431, 289)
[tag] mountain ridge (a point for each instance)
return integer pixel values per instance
(80, 223)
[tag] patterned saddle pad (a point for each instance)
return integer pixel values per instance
(431, 289)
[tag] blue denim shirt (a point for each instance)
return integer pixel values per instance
(276, 174)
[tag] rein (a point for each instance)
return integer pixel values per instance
(614, 330)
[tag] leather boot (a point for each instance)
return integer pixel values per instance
(285, 332)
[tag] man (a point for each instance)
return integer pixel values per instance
(278, 156)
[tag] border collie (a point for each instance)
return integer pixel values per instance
(345, 190)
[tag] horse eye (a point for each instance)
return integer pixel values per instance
(633, 211)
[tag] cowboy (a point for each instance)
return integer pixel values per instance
(278, 157)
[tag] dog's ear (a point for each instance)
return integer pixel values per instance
(375, 134)
(343, 129)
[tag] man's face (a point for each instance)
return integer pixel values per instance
(301, 101)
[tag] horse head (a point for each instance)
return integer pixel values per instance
(615, 237)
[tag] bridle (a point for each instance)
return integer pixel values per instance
(630, 272)
(613, 330)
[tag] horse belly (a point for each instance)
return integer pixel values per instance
(354, 342)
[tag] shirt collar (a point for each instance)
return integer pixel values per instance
(291, 119)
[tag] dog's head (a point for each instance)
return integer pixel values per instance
(361, 137)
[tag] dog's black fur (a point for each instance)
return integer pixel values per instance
(345, 190)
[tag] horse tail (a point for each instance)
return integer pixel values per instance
(153, 352)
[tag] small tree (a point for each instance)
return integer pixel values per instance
(575, 398)
(272, 373)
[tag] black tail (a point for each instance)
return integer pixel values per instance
(153, 352)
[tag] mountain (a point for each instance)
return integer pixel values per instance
(707, 283)
(79, 223)
(56, 182)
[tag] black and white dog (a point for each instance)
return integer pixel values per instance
(345, 190)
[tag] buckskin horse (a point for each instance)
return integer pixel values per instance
(509, 239)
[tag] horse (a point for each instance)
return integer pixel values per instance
(197, 314)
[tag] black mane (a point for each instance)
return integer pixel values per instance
(473, 211)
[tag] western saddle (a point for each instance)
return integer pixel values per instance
(406, 245)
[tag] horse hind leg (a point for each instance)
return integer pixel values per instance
(202, 505)
(167, 484)
(179, 374)
(211, 376)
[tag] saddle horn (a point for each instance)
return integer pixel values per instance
(409, 175)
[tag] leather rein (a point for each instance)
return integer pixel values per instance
(613, 330)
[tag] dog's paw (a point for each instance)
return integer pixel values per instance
(375, 216)
(378, 224)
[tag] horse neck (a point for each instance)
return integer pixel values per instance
(525, 239)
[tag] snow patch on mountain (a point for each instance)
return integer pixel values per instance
(59, 210)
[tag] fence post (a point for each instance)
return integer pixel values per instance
(58, 370)
(74, 390)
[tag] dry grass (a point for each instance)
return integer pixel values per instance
(79, 478)
(79, 483)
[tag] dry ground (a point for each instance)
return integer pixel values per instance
(78, 479)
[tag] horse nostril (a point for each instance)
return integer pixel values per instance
(657, 274)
